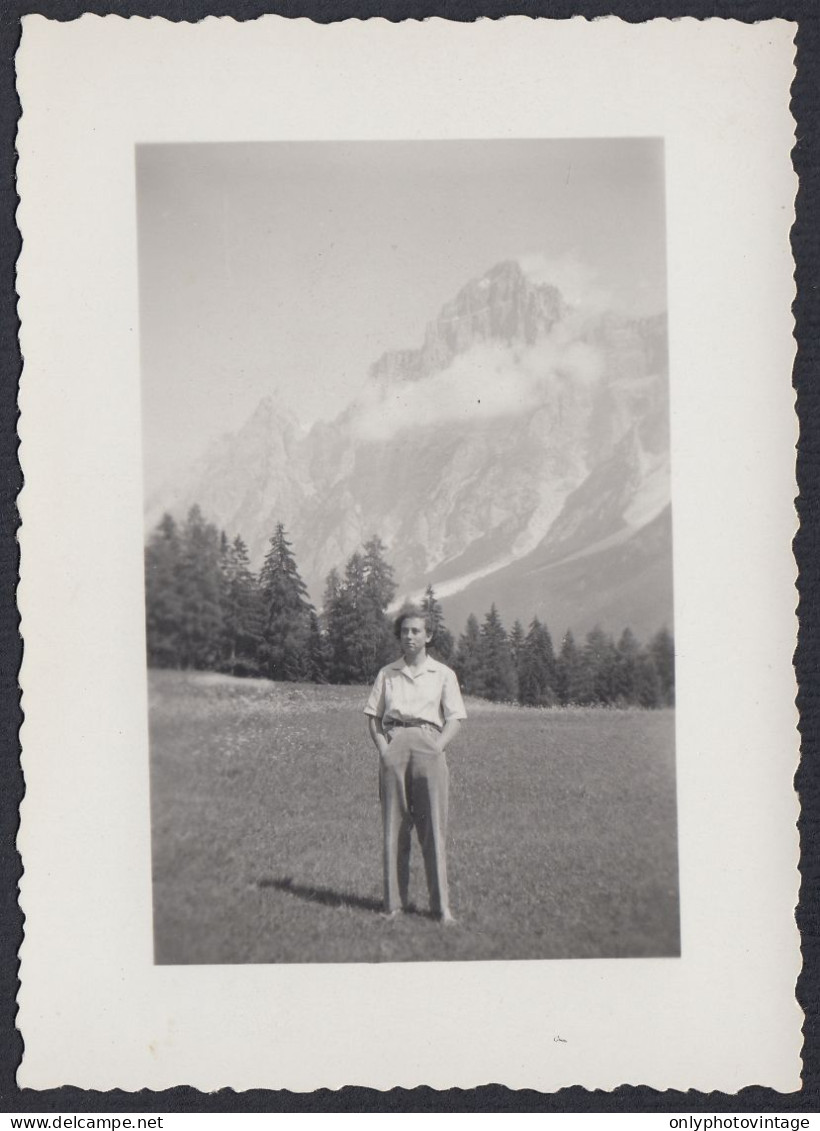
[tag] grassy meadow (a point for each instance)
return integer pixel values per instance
(267, 838)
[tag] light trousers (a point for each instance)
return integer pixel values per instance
(413, 788)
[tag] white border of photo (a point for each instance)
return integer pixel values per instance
(94, 1010)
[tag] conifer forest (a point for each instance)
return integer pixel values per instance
(208, 610)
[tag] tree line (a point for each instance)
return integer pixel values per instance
(207, 610)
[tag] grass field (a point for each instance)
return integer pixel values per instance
(267, 839)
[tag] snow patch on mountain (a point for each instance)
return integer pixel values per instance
(652, 493)
(457, 584)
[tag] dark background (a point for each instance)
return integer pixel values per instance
(805, 240)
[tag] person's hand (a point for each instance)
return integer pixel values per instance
(382, 744)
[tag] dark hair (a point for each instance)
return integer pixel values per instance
(411, 609)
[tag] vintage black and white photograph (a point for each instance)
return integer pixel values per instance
(408, 558)
(406, 574)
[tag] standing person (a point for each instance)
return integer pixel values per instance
(414, 711)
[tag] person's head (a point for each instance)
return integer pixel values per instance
(413, 628)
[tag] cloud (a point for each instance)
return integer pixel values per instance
(575, 280)
(487, 382)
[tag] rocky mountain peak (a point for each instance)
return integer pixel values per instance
(503, 305)
(272, 413)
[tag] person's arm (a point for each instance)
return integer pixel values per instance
(377, 733)
(375, 710)
(451, 729)
(452, 707)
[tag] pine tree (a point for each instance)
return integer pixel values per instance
(498, 679)
(467, 660)
(662, 650)
(285, 612)
(200, 587)
(163, 599)
(242, 611)
(442, 645)
(537, 668)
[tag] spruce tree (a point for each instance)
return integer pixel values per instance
(377, 574)
(662, 650)
(200, 587)
(600, 658)
(467, 660)
(537, 668)
(442, 645)
(359, 640)
(379, 590)
(572, 676)
(648, 689)
(362, 636)
(163, 599)
(333, 585)
(329, 623)
(624, 681)
(285, 613)
(318, 652)
(517, 642)
(226, 569)
(498, 678)
(339, 614)
(242, 611)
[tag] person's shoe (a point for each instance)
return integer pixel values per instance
(390, 915)
(446, 917)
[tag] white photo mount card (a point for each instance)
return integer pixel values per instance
(491, 317)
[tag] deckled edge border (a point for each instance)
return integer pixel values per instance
(805, 239)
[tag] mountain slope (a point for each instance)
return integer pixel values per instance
(625, 582)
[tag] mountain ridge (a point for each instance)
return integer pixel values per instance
(521, 430)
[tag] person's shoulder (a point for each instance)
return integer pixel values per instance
(438, 666)
(393, 666)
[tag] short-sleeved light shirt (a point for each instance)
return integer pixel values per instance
(431, 695)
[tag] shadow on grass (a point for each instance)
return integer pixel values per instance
(330, 898)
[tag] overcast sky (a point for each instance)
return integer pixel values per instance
(291, 267)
